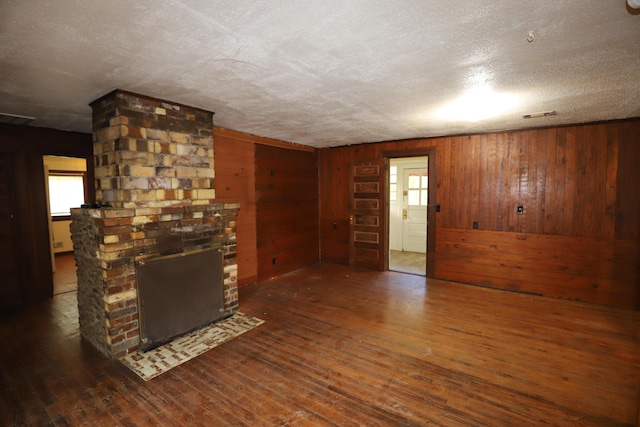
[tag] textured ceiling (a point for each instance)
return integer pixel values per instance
(327, 73)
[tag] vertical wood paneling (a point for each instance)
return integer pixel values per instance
(520, 194)
(550, 225)
(560, 184)
(599, 168)
(454, 211)
(27, 145)
(10, 286)
(234, 165)
(537, 151)
(609, 223)
(490, 171)
(628, 177)
(472, 170)
(444, 183)
(502, 184)
(535, 198)
(574, 182)
(569, 225)
(511, 182)
(286, 210)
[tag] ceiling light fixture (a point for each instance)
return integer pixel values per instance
(543, 114)
(15, 119)
(634, 4)
(477, 104)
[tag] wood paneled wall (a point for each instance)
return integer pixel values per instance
(287, 210)
(234, 164)
(278, 216)
(578, 237)
(24, 147)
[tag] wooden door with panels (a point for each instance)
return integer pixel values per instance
(367, 217)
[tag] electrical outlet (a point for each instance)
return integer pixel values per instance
(475, 225)
(58, 244)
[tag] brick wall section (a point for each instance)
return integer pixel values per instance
(109, 242)
(151, 153)
(154, 167)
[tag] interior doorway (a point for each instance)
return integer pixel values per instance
(66, 187)
(408, 204)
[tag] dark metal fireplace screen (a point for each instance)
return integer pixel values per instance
(178, 294)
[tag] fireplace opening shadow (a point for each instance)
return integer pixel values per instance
(178, 294)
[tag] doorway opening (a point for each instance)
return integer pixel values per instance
(408, 204)
(66, 187)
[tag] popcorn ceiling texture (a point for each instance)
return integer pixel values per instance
(324, 73)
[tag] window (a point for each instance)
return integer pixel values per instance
(418, 189)
(393, 182)
(66, 191)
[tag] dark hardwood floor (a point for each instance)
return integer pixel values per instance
(344, 347)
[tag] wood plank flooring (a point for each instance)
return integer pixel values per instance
(344, 347)
(65, 278)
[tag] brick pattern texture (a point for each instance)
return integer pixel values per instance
(154, 167)
(151, 153)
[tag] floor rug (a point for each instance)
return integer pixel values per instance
(159, 360)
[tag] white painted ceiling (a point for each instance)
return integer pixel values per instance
(326, 72)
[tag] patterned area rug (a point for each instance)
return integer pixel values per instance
(154, 362)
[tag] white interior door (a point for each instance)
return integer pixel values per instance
(414, 211)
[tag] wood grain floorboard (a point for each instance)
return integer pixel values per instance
(344, 347)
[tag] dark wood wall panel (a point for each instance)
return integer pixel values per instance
(561, 184)
(574, 182)
(25, 146)
(234, 163)
(10, 285)
(627, 200)
(594, 270)
(294, 182)
(286, 209)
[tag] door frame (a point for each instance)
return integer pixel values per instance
(431, 152)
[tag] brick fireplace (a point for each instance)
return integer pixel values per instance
(155, 187)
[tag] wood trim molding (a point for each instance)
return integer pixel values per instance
(228, 133)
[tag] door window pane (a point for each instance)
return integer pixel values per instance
(424, 197)
(414, 181)
(393, 180)
(413, 197)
